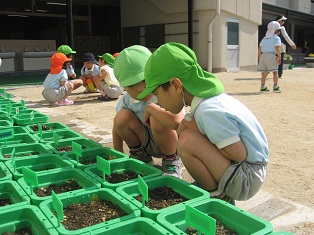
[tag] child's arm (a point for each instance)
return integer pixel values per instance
(259, 52)
(278, 54)
(164, 117)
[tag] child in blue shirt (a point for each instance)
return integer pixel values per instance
(90, 70)
(221, 143)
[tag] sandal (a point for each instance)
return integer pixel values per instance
(105, 98)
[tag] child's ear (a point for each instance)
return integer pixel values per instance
(176, 83)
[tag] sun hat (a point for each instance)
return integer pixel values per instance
(281, 18)
(57, 61)
(175, 60)
(65, 49)
(89, 57)
(272, 27)
(129, 66)
(108, 58)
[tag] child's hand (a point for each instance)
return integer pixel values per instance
(147, 118)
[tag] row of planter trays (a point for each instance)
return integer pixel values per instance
(41, 157)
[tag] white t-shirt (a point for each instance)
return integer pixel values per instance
(110, 79)
(52, 81)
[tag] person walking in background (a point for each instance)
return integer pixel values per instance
(57, 87)
(107, 83)
(269, 56)
(68, 52)
(89, 72)
(283, 38)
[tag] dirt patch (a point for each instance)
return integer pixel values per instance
(69, 185)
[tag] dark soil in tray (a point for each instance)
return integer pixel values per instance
(61, 188)
(5, 202)
(115, 178)
(77, 216)
(162, 197)
(44, 127)
(221, 229)
(21, 155)
(22, 231)
(67, 148)
(91, 160)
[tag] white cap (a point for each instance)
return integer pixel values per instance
(271, 29)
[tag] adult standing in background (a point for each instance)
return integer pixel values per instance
(284, 38)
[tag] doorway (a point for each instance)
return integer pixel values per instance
(232, 45)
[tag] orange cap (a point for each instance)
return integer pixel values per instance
(57, 61)
(115, 54)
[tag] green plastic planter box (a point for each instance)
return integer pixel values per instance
(87, 144)
(127, 165)
(53, 126)
(90, 156)
(20, 130)
(3, 107)
(26, 216)
(191, 192)
(136, 226)
(59, 177)
(6, 118)
(26, 150)
(11, 190)
(233, 218)
(48, 136)
(19, 139)
(5, 174)
(25, 119)
(5, 123)
(86, 197)
(45, 162)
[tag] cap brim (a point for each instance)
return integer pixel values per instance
(137, 78)
(146, 92)
(73, 52)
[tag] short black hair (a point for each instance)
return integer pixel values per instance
(279, 17)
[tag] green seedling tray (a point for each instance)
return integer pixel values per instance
(58, 177)
(24, 119)
(134, 226)
(5, 174)
(45, 162)
(190, 191)
(126, 165)
(26, 216)
(87, 144)
(89, 157)
(20, 130)
(48, 136)
(12, 191)
(3, 107)
(5, 123)
(19, 139)
(6, 118)
(86, 197)
(53, 126)
(232, 217)
(24, 151)
(21, 110)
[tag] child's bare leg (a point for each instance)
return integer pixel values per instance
(129, 127)
(202, 159)
(84, 80)
(275, 77)
(70, 87)
(263, 79)
(77, 83)
(99, 81)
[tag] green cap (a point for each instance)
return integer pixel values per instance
(129, 65)
(108, 58)
(65, 49)
(175, 60)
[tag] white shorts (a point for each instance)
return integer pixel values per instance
(241, 181)
(112, 91)
(268, 62)
(54, 95)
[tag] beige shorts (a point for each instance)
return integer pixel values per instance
(54, 95)
(150, 145)
(241, 181)
(268, 62)
(112, 91)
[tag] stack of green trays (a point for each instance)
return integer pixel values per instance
(20, 130)
(26, 150)
(90, 156)
(51, 126)
(59, 177)
(232, 217)
(44, 162)
(134, 226)
(19, 139)
(189, 191)
(119, 167)
(5, 174)
(87, 197)
(24, 119)
(25, 217)
(12, 191)
(65, 134)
